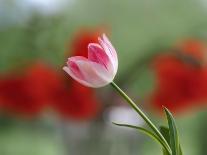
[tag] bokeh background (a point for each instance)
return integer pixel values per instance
(162, 52)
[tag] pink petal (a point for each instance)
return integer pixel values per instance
(74, 67)
(97, 54)
(110, 51)
(94, 73)
(68, 70)
(110, 46)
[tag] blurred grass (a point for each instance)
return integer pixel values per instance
(33, 137)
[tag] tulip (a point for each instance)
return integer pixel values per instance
(99, 69)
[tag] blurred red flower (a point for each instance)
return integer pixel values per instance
(79, 44)
(193, 48)
(42, 81)
(66, 97)
(76, 102)
(41, 86)
(181, 78)
(15, 99)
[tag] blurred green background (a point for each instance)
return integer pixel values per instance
(42, 30)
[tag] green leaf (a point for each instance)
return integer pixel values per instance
(173, 134)
(180, 150)
(165, 132)
(145, 131)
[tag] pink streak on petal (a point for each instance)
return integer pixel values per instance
(105, 48)
(110, 46)
(67, 70)
(76, 71)
(74, 67)
(112, 50)
(113, 60)
(97, 54)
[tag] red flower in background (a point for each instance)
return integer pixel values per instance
(66, 97)
(15, 98)
(80, 41)
(42, 81)
(181, 78)
(74, 100)
(193, 48)
(30, 93)
(41, 86)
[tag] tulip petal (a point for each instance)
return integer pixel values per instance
(97, 54)
(94, 73)
(111, 47)
(110, 51)
(74, 71)
(68, 70)
(74, 67)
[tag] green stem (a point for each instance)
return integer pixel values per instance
(144, 117)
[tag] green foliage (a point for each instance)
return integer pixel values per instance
(165, 133)
(172, 134)
(145, 131)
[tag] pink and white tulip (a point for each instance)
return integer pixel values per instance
(99, 69)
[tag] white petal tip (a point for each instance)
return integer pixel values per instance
(91, 45)
(104, 35)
